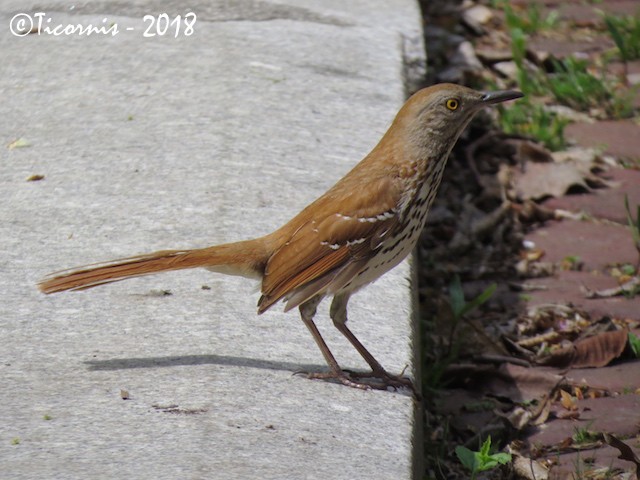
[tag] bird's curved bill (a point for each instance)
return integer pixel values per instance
(490, 98)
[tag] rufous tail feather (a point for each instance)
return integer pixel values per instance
(245, 258)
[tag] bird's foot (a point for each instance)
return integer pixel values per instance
(375, 380)
(340, 376)
(386, 380)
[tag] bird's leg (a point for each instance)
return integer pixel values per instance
(338, 314)
(307, 311)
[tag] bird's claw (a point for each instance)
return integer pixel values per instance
(387, 380)
(353, 379)
(341, 376)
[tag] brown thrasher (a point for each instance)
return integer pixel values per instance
(362, 227)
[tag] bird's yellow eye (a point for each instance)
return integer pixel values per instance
(452, 104)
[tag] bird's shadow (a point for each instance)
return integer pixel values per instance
(186, 360)
(191, 360)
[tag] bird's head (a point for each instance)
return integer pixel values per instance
(436, 116)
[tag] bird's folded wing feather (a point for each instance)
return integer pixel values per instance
(322, 246)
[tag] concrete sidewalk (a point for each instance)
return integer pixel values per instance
(163, 142)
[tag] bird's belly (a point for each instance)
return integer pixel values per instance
(390, 254)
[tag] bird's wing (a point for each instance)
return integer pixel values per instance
(350, 231)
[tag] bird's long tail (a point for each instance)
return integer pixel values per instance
(247, 258)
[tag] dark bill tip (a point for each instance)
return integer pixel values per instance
(490, 98)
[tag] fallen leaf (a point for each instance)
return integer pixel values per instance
(541, 414)
(529, 469)
(19, 143)
(577, 391)
(541, 180)
(35, 178)
(522, 383)
(596, 351)
(600, 350)
(567, 401)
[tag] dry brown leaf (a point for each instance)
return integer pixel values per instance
(541, 180)
(541, 414)
(596, 351)
(529, 469)
(521, 383)
(577, 391)
(600, 350)
(567, 401)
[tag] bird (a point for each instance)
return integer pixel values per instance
(361, 228)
